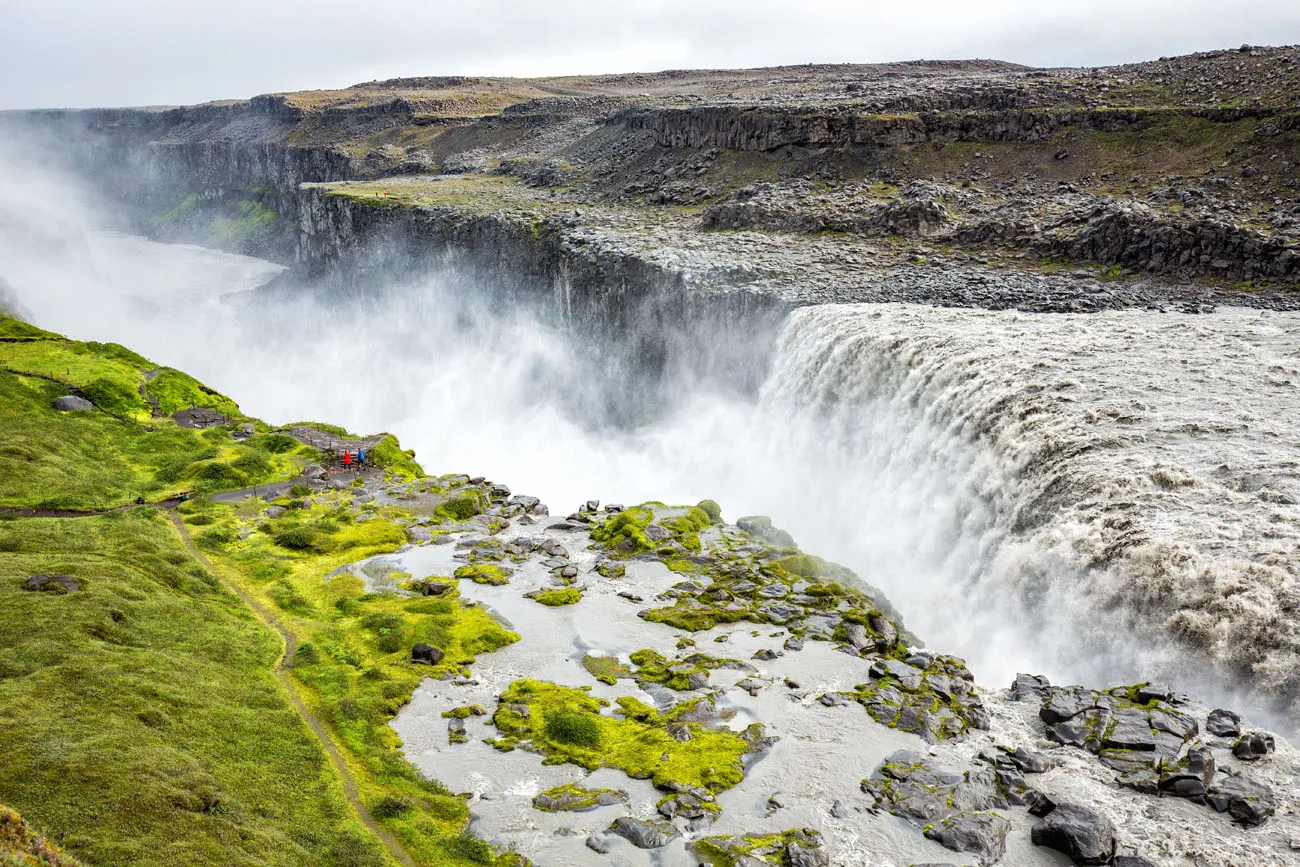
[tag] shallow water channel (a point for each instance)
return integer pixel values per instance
(817, 765)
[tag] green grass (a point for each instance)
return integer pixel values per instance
(176, 391)
(98, 460)
(354, 662)
(139, 717)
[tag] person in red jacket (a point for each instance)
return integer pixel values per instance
(347, 461)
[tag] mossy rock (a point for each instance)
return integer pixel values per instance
(606, 669)
(484, 573)
(573, 798)
(558, 596)
(567, 726)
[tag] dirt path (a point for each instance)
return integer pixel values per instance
(318, 729)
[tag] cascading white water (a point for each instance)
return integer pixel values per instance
(1127, 481)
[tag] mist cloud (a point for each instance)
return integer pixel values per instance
(76, 53)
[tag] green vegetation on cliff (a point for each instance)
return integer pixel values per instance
(143, 714)
(108, 457)
(140, 720)
(21, 846)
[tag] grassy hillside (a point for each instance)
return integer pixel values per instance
(139, 718)
(21, 846)
(143, 715)
(126, 448)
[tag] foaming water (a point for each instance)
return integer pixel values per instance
(1062, 494)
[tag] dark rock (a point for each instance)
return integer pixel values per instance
(1029, 762)
(1223, 723)
(1149, 692)
(1039, 804)
(1085, 836)
(1247, 801)
(456, 732)
(73, 403)
(801, 856)
(794, 643)
(52, 583)
(1253, 746)
(644, 834)
(1067, 734)
(426, 653)
(1063, 705)
(984, 834)
(766, 655)
(434, 588)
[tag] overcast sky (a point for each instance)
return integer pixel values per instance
(56, 53)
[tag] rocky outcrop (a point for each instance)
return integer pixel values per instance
(1132, 235)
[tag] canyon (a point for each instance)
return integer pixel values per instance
(1016, 346)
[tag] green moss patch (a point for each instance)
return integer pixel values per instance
(558, 596)
(651, 527)
(653, 667)
(780, 850)
(606, 669)
(484, 573)
(547, 716)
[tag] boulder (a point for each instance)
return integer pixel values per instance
(984, 834)
(577, 799)
(1245, 800)
(418, 535)
(1223, 723)
(1084, 835)
(800, 856)
(1253, 746)
(597, 845)
(434, 588)
(53, 583)
(644, 834)
(426, 654)
(856, 633)
(73, 403)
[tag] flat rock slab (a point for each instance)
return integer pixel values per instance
(53, 583)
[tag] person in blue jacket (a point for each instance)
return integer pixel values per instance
(361, 458)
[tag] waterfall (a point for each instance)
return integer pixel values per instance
(1106, 497)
